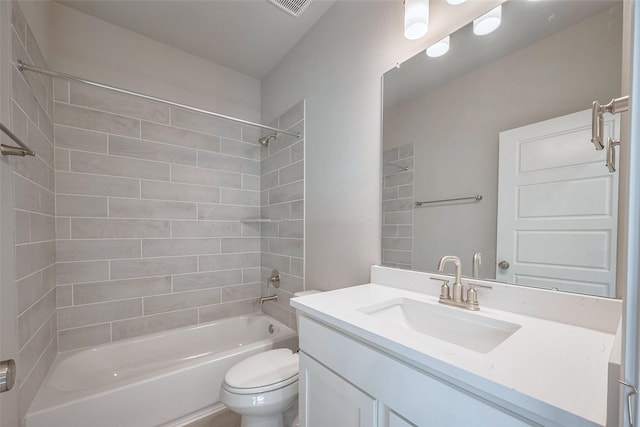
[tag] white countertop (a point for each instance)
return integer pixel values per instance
(559, 365)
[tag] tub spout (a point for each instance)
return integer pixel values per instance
(271, 298)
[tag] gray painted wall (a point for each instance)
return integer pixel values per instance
(337, 68)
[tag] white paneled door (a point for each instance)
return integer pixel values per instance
(557, 207)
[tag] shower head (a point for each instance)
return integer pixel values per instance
(264, 141)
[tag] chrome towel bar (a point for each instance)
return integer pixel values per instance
(9, 150)
(477, 198)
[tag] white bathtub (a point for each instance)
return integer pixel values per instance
(163, 379)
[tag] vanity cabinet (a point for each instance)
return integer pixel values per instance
(333, 401)
(346, 383)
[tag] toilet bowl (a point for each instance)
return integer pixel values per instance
(261, 387)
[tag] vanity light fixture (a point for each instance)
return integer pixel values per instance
(456, 2)
(488, 22)
(416, 18)
(439, 48)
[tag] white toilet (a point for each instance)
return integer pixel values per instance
(263, 386)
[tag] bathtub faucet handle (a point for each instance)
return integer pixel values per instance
(275, 278)
(275, 281)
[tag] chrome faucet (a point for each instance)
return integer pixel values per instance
(456, 300)
(477, 261)
(274, 280)
(457, 286)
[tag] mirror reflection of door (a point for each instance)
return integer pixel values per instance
(557, 207)
(538, 65)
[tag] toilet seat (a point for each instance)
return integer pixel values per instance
(263, 372)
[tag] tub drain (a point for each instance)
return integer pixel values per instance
(271, 328)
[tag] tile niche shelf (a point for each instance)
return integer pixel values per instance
(246, 220)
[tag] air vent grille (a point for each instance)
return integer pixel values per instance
(292, 7)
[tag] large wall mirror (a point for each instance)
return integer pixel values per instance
(494, 137)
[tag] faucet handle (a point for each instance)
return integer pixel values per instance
(477, 285)
(444, 289)
(472, 294)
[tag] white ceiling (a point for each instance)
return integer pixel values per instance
(248, 36)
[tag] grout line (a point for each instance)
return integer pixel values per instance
(147, 179)
(117, 156)
(154, 141)
(54, 339)
(107, 112)
(288, 206)
(38, 300)
(33, 95)
(28, 118)
(100, 132)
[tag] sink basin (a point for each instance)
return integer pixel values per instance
(456, 326)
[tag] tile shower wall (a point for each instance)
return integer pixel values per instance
(397, 207)
(149, 203)
(33, 198)
(282, 201)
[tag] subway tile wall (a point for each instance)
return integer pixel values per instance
(132, 222)
(282, 202)
(397, 207)
(34, 206)
(149, 207)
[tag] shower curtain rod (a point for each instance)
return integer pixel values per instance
(26, 67)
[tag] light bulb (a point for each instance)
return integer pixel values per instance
(439, 48)
(416, 18)
(488, 22)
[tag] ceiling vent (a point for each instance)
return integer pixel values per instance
(292, 7)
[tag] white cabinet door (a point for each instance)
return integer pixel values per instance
(327, 400)
(331, 390)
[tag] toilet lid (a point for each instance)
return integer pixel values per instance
(263, 369)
